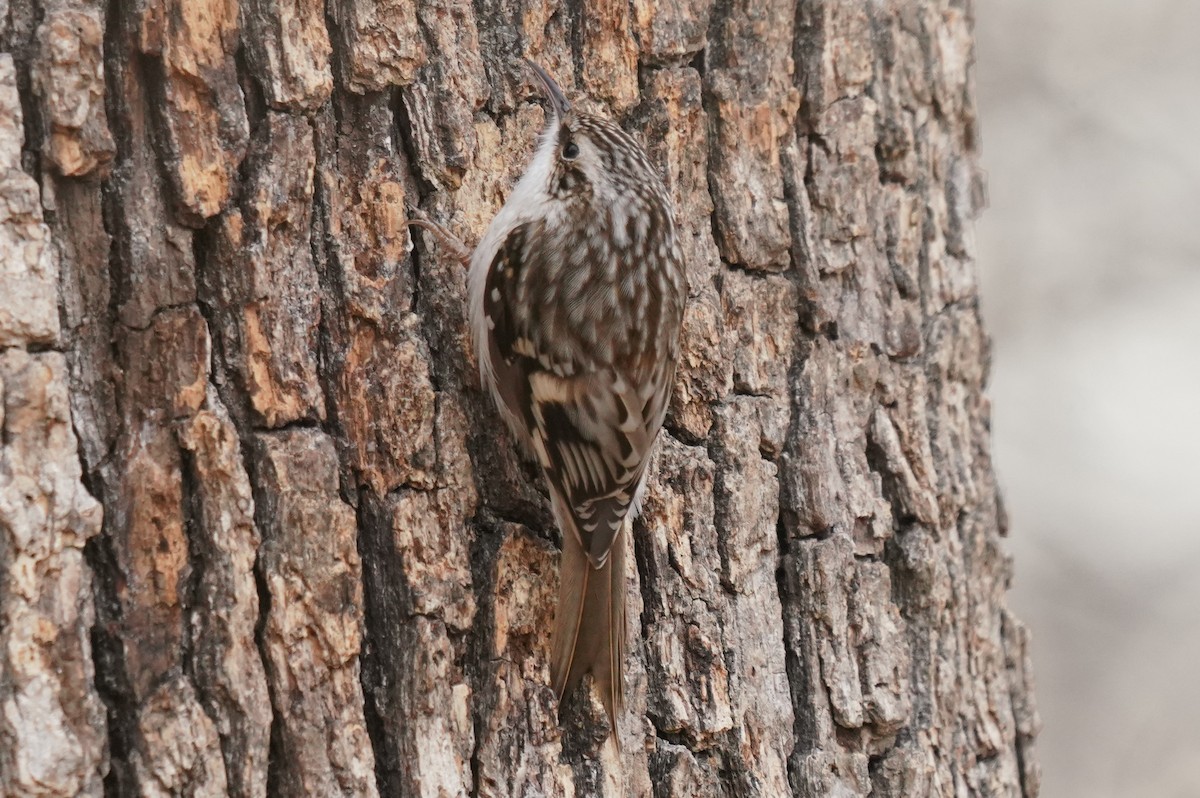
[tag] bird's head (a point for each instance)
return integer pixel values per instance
(584, 154)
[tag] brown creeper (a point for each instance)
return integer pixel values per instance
(577, 292)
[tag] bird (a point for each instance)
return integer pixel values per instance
(576, 294)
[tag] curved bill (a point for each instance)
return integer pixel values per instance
(558, 101)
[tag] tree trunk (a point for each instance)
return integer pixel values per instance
(260, 531)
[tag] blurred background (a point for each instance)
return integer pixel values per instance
(1090, 254)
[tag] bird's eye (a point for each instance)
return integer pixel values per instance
(571, 151)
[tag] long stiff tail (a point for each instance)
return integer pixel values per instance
(589, 626)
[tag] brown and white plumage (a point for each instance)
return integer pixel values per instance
(576, 296)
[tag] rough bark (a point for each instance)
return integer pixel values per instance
(260, 533)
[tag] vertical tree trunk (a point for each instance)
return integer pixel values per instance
(260, 533)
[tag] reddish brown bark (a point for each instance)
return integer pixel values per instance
(260, 533)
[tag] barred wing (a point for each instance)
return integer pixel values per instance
(590, 416)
